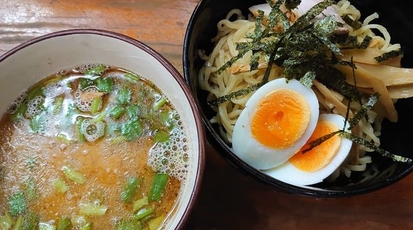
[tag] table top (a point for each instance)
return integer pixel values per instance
(229, 199)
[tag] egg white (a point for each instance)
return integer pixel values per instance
(290, 174)
(254, 153)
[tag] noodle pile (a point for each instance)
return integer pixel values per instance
(393, 82)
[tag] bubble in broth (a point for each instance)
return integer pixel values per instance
(85, 145)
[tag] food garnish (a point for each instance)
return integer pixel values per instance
(310, 50)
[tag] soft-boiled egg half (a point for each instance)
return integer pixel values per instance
(276, 122)
(313, 166)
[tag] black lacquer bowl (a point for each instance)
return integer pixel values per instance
(396, 137)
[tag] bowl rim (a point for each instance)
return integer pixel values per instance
(225, 151)
(200, 169)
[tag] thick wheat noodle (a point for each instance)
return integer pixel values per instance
(236, 77)
(329, 96)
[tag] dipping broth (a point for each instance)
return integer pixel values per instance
(93, 147)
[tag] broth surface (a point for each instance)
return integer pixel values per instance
(104, 123)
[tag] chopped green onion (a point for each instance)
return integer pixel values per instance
(33, 93)
(73, 175)
(143, 212)
(131, 129)
(46, 226)
(167, 118)
(105, 84)
(17, 203)
(87, 226)
(18, 224)
(100, 117)
(58, 104)
(128, 224)
(38, 123)
(132, 77)
(117, 111)
(96, 105)
(30, 221)
(64, 224)
(78, 221)
(30, 189)
(138, 204)
(78, 130)
(90, 209)
(2, 172)
(158, 186)
(130, 189)
(124, 96)
(92, 131)
(96, 70)
(118, 139)
(85, 82)
(159, 103)
(60, 185)
(161, 136)
(133, 111)
(6, 221)
(64, 138)
(155, 223)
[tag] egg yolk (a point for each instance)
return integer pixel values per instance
(280, 119)
(321, 155)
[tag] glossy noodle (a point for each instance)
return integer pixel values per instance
(394, 82)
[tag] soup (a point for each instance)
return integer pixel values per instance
(92, 147)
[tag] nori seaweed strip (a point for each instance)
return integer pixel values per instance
(362, 112)
(320, 140)
(338, 83)
(300, 51)
(238, 93)
(373, 146)
(258, 26)
(357, 95)
(256, 45)
(231, 61)
(241, 92)
(350, 42)
(353, 23)
(275, 14)
(291, 4)
(322, 30)
(360, 141)
(388, 55)
(259, 33)
(345, 41)
(307, 79)
(254, 61)
(313, 12)
(365, 43)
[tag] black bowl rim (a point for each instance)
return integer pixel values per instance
(176, 75)
(224, 150)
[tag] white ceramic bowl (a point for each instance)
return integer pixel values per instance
(26, 64)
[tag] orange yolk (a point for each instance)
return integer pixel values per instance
(322, 154)
(280, 119)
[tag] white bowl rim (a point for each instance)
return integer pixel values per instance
(176, 75)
